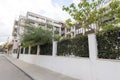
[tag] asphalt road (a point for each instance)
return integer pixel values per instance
(8, 71)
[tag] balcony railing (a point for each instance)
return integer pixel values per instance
(37, 19)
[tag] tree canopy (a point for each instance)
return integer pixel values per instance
(34, 35)
(93, 12)
(1, 47)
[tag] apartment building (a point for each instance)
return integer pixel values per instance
(43, 21)
(37, 20)
(74, 31)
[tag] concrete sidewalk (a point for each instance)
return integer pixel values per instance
(37, 72)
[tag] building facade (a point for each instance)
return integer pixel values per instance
(36, 20)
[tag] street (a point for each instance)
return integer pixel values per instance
(10, 72)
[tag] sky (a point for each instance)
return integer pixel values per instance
(11, 9)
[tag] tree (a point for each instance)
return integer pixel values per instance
(1, 48)
(88, 13)
(35, 36)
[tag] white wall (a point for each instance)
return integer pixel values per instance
(78, 68)
(90, 68)
(81, 68)
(108, 70)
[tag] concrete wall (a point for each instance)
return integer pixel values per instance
(107, 70)
(90, 68)
(81, 68)
(78, 68)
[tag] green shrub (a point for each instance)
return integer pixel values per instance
(34, 50)
(26, 50)
(46, 49)
(77, 46)
(109, 44)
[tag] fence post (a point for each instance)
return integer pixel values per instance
(23, 50)
(93, 52)
(54, 51)
(38, 49)
(29, 50)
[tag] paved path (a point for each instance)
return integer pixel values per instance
(10, 72)
(37, 72)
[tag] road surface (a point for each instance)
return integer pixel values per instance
(8, 71)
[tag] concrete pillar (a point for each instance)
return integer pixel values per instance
(65, 32)
(74, 31)
(83, 31)
(29, 50)
(45, 24)
(53, 32)
(23, 50)
(93, 52)
(38, 49)
(54, 51)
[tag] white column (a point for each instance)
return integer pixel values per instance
(84, 31)
(54, 51)
(53, 31)
(65, 32)
(23, 50)
(29, 50)
(38, 49)
(93, 52)
(71, 33)
(74, 32)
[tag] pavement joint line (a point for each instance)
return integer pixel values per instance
(19, 68)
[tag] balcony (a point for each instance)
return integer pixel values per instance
(22, 23)
(57, 24)
(14, 34)
(37, 19)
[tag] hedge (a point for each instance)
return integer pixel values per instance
(34, 50)
(21, 50)
(77, 46)
(26, 50)
(109, 44)
(46, 49)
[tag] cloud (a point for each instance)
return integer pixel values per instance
(11, 9)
